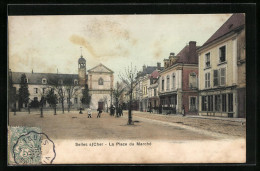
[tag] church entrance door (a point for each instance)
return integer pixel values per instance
(100, 105)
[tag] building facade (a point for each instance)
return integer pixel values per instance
(178, 81)
(222, 70)
(153, 97)
(99, 80)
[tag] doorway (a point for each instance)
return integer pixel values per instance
(101, 105)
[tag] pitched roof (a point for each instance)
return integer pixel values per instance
(147, 70)
(155, 74)
(100, 68)
(36, 78)
(234, 22)
(183, 55)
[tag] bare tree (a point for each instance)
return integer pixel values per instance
(105, 100)
(61, 91)
(129, 79)
(72, 91)
(117, 92)
(56, 84)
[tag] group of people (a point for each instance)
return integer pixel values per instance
(90, 112)
(118, 110)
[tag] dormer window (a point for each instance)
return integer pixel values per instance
(60, 82)
(44, 81)
(76, 82)
(100, 81)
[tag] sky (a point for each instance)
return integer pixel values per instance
(47, 43)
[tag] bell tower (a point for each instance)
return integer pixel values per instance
(82, 70)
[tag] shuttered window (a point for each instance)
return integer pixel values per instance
(216, 78)
(222, 76)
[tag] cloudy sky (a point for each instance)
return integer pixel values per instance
(45, 43)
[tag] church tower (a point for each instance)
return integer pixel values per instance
(82, 70)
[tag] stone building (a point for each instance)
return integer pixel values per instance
(222, 75)
(143, 84)
(154, 100)
(178, 81)
(99, 80)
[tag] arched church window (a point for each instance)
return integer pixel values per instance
(100, 81)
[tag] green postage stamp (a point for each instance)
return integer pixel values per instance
(29, 146)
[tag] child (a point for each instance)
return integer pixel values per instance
(89, 112)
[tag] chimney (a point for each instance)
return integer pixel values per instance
(192, 52)
(144, 67)
(172, 54)
(158, 65)
(32, 71)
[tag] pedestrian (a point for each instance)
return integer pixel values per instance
(150, 108)
(99, 112)
(160, 108)
(117, 111)
(89, 112)
(120, 110)
(183, 110)
(113, 110)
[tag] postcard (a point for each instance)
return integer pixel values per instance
(126, 89)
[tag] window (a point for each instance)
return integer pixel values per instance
(173, 81)
(68, 91)
(168, 82)
(154, 91)
(162, 84)
(75, 100)
(207, 60)
(193, 104)
(43, 90)
(222, 76)
(100, 81)
(193, 80)
(216, 78)
(224, 103)
(210, 103)
(44, 81)
(60, 82)
(230, 102)
(222, 54)
(217, 103)
(35, 90)
(203, 103)
(76, 82)
(207, 80)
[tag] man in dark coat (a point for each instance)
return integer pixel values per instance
(99, 112)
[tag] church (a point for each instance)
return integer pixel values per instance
(99, 80)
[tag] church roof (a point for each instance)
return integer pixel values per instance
(100, 69)
(52, 78)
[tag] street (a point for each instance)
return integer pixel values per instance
(105, 139)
